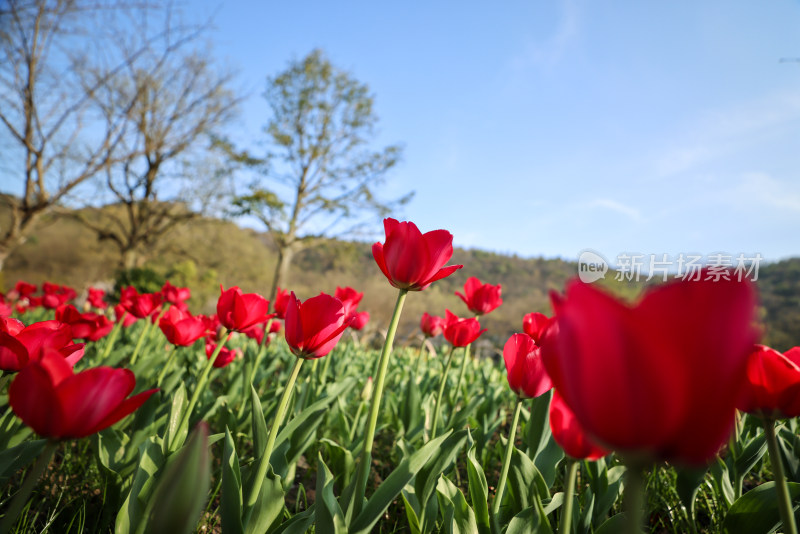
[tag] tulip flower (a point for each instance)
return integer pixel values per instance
(30, 343)
(568, 433)
(281, 301)
(257, 330)
(181, 328)
(772, 384)
(237, 310)
(431, 325)
(88, 326)
(359, 320)
(224, 354)
(5, 309)
(480, 298)
(661, 378)
(534, 324)
(461, 332)
(144, 305)
(527, 376)
(95, 298)
(177, 296)
(59, 404)
(411, 260)
(11, 326)
(24, 289)
(350, 299)
(120, 314)
(315, 326)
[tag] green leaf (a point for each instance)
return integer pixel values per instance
(151, 459)
(478, 490)
(174, 437)
(182, 488)
(297, 524)
(459, 518)
(613, 525)
(328, 518)
(231, 504)
(751, 455)
(525, 483)
(719, 470)
(537, 430)
(410, 412)
(266, 513)
(393, 485)
(547, 460)
(15, 458)
(756, 511)
(259, 425)
(531, 520)
(411, 514)
(341, 459)
(687, 484)
(426, 480)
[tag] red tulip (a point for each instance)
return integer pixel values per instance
(350, 299)
(461, 332)
(30, 343)
(480, 298)
(527, 376)
(88, 326)
(180, 328)
(177, 296)
(24, 289)
(359, 320)
(127, 295)
(95, 298)
(568, 433)
(5, 309)
(144, 305)
(431, 325)
(315, 326)
(412, 260)
(281, 300)
(224, 357)
(534, 324)
(120, 314)
(237, 310)
(257, 330)
(772, 385)
(658, 378)
(11, 326)
(58, 404)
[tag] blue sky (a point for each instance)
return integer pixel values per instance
(545, 128)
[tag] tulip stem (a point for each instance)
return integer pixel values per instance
(112, 338)
(634, 498)
(512, 434)
(28, 484)
(263, 461)
(145, 333)
(569, 496)
(167, 365)
(366, 454)
(201, 382)
(457, 395)
(442, 382)
(784, 501)
(419, 358)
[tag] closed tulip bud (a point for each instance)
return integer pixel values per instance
(238, 311)
(534, 324)
(480, 298)
(431, 325)
(180, 328)
(527, 376)
(461, 332)
(772, 383)
(313, 327)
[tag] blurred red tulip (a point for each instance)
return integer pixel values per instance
(144, 305)
(180, 328)
(431, 325)
(527, 376)
(350, 299)
(461, 332)
(257, 330)
(88, 326)
(359, 320)
(660, 378)
(95, 298)
(30, 343)
(480, 298)
(58, 404)
(534, 324)
(772, 385)
(177, 296)
(24, 289)
(568, 433)
(282, 297)
(11, 326)
(121, 314)
(224, 357)
(314, 327)
(412, 260)
(237, 310)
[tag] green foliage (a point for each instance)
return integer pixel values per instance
(144, 279)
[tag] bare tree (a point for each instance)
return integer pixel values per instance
(320, 174)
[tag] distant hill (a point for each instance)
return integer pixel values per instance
(209, 252)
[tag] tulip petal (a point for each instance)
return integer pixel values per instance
(125, 408)
(90, 396)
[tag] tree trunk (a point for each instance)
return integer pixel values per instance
(128, 259)
(281, 276)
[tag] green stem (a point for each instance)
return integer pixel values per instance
(263, 461)
(167, 365)
(112, 338)
(512, 433)
(442, 383)
(372, 422)
(201, 382)
(457, 394)
(419, 359)
(355, 421)
(24, 492)
(569, 496)
(634, 498)
(145, 333)
(784, 501)
(324, 378)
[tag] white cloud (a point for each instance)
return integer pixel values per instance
(618, 207)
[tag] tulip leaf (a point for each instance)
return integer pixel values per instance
(537, 429)
(547, 460)
(531, 520)
(411, 513)
(757, 512)
(459, 518)
(259, 425)
(341, 459)
(298, 523)
(478, 490)
(151, 459)
(612, 525)
(427, 479)
(17, 457)
(231, 503)
(719, 470)
(410, 412)
(174, 436)
(751, 455)
(687, 485)
(393, 485)
(182, 489)
(328, 517)
(267, 510)
(525, 483)
(554, 503)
